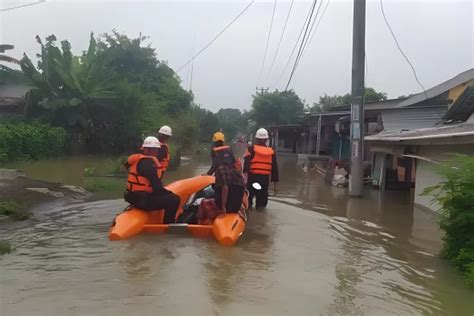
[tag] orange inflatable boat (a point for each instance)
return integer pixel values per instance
(226, 229)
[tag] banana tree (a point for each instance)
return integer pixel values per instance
(69, 89)
(6, 58)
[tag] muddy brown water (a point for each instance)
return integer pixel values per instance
(312, 252)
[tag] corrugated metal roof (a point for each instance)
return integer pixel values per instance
(440, 89)
(457, 130)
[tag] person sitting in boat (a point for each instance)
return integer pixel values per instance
(221, 152)
(164, 133)
(230, 187)
(144, 188)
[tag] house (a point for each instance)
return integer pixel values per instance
(12, 98)
(407, 158)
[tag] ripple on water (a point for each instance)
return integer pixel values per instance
(289, 261)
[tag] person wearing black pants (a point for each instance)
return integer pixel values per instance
(260, 195)
(260, 165)
(145, 189)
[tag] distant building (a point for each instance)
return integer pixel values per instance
(405, 137)
(12, 98)
(407, 157)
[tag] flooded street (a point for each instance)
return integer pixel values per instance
(312, 252)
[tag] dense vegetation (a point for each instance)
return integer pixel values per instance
(278, 107)
(328, 102)
(117, 91)
(456, 196)
(30, 141)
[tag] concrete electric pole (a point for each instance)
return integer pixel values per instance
(357, 103)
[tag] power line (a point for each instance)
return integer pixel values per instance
(23, 5)
(311, 32)
(294, 49)
(319, 22)
(217, 36)
(268, 42)
(281, 37)
(302, 44)
(400, 49)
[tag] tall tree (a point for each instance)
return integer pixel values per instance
(327, 102)
(278, 107)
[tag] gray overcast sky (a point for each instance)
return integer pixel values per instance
(436, 35)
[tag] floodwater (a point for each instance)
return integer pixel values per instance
(312, 252)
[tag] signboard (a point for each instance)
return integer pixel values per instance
(355, 149)
(356, 130)
(355, 112)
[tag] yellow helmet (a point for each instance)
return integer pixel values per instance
(218, 136)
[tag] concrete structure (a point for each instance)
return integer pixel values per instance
(408, 158)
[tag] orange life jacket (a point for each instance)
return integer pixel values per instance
(261, 163)
(221, 149)
(166, 161)
(136, 182)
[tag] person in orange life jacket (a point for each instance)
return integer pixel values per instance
(220, 153)
(144, 188)
(260, 165)
(164, 133)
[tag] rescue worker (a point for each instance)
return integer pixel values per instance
(219, 153)
(260, 165)
(164, 133)
(144, 188)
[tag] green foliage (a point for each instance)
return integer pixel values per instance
(10, 76)
(327, 102)
(456, 196)
(103, 185)
(232, 122)
(5, 247)
(30, 141)
(276, 108)
(14, 210)
(108, 98)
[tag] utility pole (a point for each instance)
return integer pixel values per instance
(357, 103)
(262, 90)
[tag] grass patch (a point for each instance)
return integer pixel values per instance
(111, 167)
(103, 185)
(14, 210)
(5, 247)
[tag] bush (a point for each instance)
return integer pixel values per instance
(5, 247)
(14, 210)
(21, 140)
(456, 197)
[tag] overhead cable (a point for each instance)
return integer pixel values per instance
(294, 48)
(268, 42)
(216, 36)
(23, 5)
(401, 50)
(281, 37)
(303, 40)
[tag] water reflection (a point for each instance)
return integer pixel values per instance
(313, 251)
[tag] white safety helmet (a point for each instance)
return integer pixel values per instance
(151, 142)
(261, 134)
(165, 130)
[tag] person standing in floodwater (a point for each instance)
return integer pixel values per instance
(220, 153)
(164, 157)
(260, 165)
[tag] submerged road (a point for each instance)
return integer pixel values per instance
(312, 252)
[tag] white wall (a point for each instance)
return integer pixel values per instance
(426, 174)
